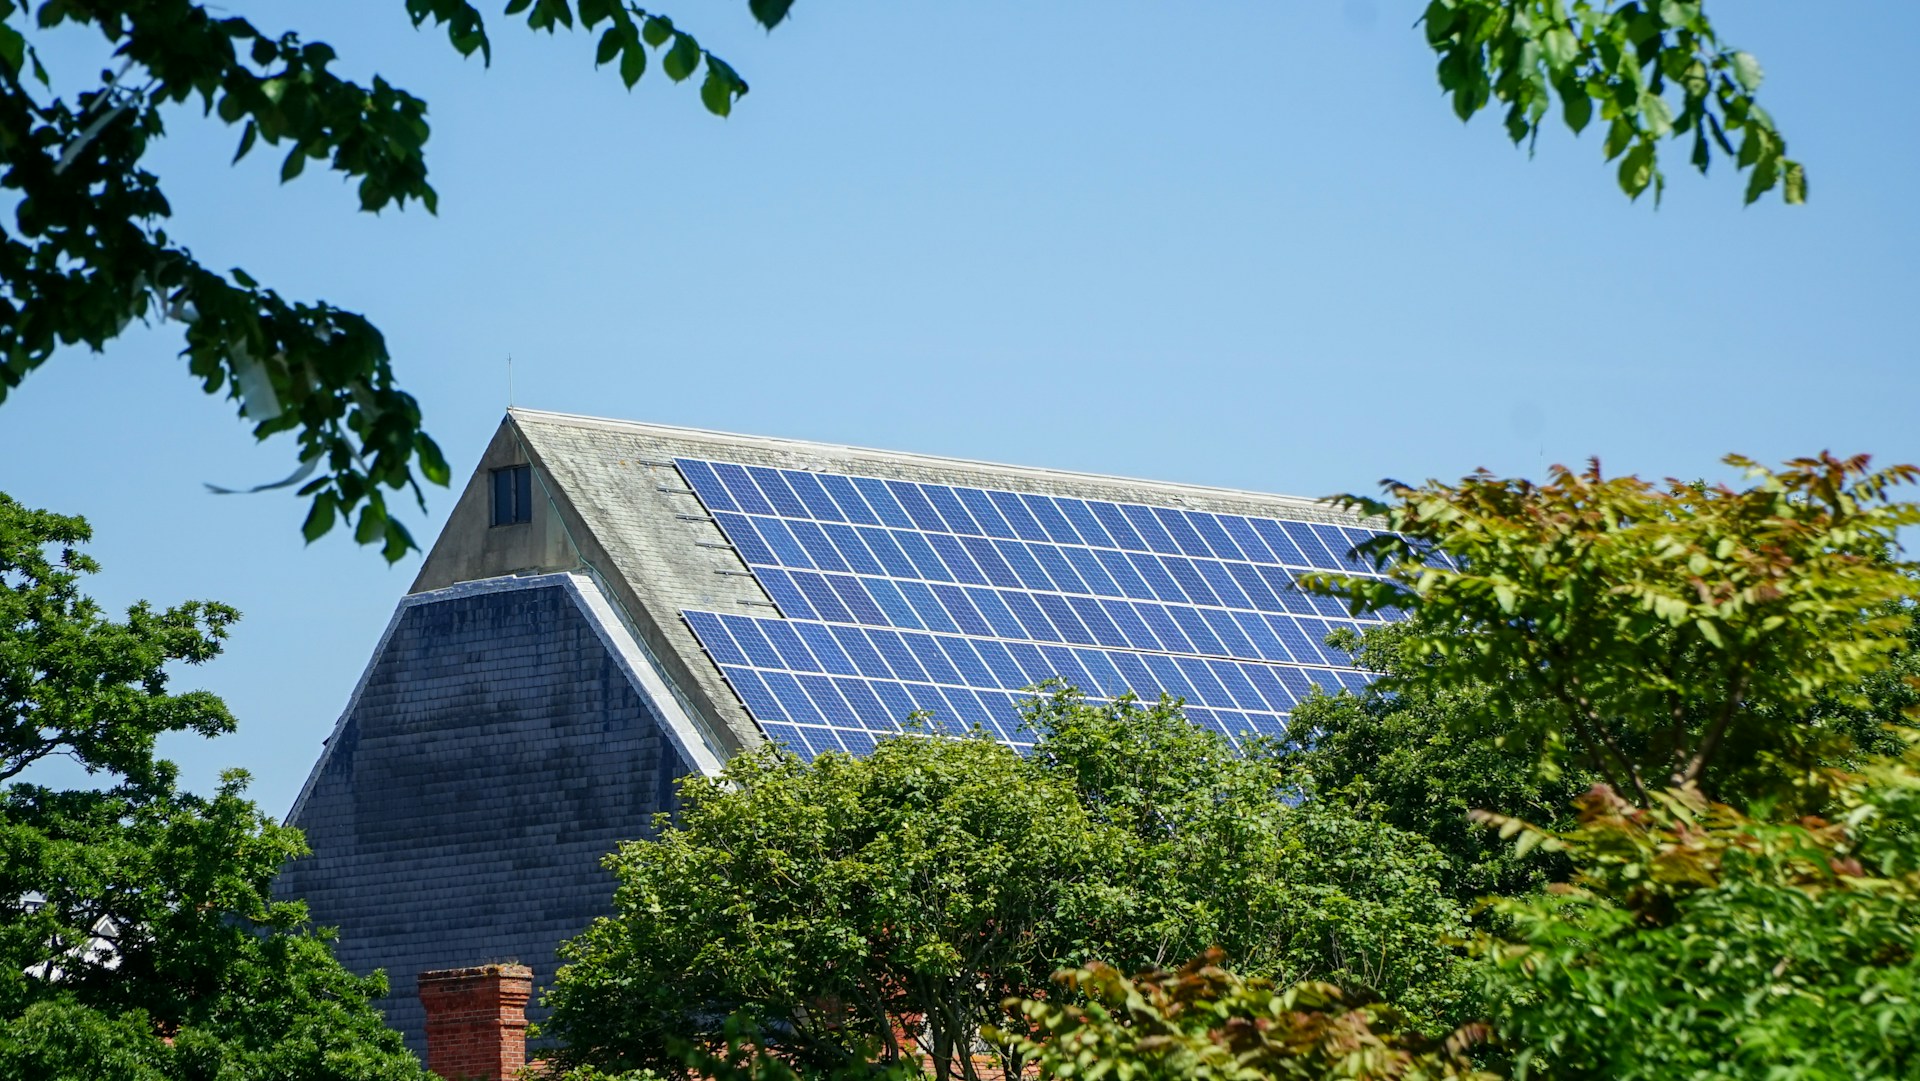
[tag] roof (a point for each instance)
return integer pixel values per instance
(631, 503)
(572, 433)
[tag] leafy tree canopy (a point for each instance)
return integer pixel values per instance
(138, 937)
(1757, 640)
(1425, 756)
(1419, 760)
(838, 903)
(1755, 643)
(88, 250)
(1701, 941)
(1207, 1024)
(1657, 636)
(1649, 70)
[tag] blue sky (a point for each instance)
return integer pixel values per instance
(1242, 243)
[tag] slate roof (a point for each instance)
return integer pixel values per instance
(500, 744)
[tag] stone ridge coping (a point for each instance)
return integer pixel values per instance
(511, 969)
(599, 614)
(841, 455)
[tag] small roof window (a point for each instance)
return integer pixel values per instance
(513, 495)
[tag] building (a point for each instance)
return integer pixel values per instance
(615, 605)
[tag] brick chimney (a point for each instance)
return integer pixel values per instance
(477, 1021)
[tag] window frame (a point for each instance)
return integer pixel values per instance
(513, 486)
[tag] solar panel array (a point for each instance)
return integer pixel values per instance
(896, 597)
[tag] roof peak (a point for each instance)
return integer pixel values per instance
(780, 443)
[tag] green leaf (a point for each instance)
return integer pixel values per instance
(716, 92)
(13, 48)
(1561, 47)
(290, 168)
(656, 30)
(1765, 175)
(399, 542)
(433, 464)
(610, 45)
(633, 63)
(247, 136)
(1619, 136)
(1577, 106)
(769, 13)
(373, 524)
(1795, 175)
(320, 518)
(682, 59)
(1746, 68)
(1655, 114)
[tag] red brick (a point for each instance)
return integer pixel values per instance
(477, 1021)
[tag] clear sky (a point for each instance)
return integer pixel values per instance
(1239, 243)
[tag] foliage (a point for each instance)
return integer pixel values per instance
(77, 684)
(1416, 761)
(929, 879)
(1698, 941)
(1873, 719)
(89, 251)
(1659, 636)
(1203, 1023)
(1652, 69)
(836, 905)
(1289, 890)
(138, 937)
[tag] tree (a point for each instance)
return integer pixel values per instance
(837, 904)
(1224, 858)
(1694, 940)
(1630, 62)
(1207, 1024)
(89, 252)
(1748, 643)
(138, 937)
(829, 902)
(1700, 941)
(1677, 636)
(1417, 760)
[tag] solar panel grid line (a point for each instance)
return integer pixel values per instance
(1185, 539)
(947, 557)
(883, 705)
(897, 596)
(814, 497)
(881, 502)
(1036, 517)
(918, 510)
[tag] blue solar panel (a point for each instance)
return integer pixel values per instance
(896, 598)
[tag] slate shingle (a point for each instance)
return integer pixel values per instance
(494, 755)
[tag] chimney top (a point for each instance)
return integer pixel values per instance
(477, 1021)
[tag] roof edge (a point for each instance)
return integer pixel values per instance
(685, 732)
(782, 443)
